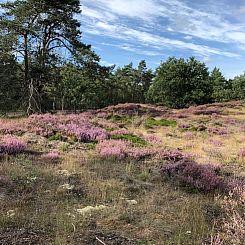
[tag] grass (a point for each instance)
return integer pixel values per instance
(136, 140)
(124, 119)
(39, 199)
(152, 122)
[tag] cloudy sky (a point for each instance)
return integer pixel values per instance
(122, 31)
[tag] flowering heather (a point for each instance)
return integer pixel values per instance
(242, 152)
(243, 128)
(231, 121)
(12, 127)
(11, 145)
(233, 223)
(201, 177)
(121, 149)
(203, 110)
(53, 155)
(79, 126)
(140, 153)
(119, 132)
(106, 124)
(171, 155)
(184, 125)
(215, 142)
(218, 131)
(188, 136)
(102, 114)
(83, 133)
(152, 139)
(235, 184)
(112, 148)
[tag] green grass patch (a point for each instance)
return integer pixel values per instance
(151, 122)
(57, 136)
(136, 140)
(126, 119)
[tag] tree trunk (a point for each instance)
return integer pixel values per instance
(62, 103)
(54, 104)
(26, 59)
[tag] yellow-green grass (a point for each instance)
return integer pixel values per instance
(139, 207)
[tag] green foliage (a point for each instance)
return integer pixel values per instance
(180, 83)
(151, 122)
(131, 83)
(221, 87)
(136, 140)
(10, 84)
(91, 145)
(125, 119)
(238, 87)
(56, 136)
(37, 32)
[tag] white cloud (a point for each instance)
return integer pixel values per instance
(95, 14)
(137, 49)
(237, 36)
(241, 10)
(106, 63)
(148, 39)
(141, 9)
(114, 18)
(188, 37)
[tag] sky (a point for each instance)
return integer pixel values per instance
(122, 31)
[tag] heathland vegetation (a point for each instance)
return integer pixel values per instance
(152, 157)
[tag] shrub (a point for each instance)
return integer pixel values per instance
(242, 152)
(112, 148)
(233, 223)
(119, 132)
(218, 131)
(13, 127)
(53, 155)
(152, 139)
(151, 122)
(140, 153)
(201, 177)
(121, 149)
(216, 142)
(78, 126)
(12, 145)
(184, 125)
(189, 136)
(125, 119)
(130, 137)
(171, 155)
(57, 136)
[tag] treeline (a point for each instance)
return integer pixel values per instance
(45, 66)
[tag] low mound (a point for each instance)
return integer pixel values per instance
(135, 109)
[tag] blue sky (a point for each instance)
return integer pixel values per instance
(122, 31)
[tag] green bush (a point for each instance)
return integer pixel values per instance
(126, 119)
(136, 140)
(57, 136)
(151, 122)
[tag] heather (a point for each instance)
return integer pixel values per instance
(121, 181)
(11, 145)
(203, 177)
(74, 126)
